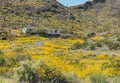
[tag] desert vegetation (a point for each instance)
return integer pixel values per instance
(88, 52)
(57, 61)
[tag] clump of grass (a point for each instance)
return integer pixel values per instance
(99, 78)
(115, 79)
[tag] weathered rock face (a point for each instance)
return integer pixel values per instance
(97, 1)
(90, 4)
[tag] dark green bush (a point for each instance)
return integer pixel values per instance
(1, 53)
(2, 61)
(113, 45)
(76, 46)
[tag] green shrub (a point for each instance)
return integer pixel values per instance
(2, 61)
(113, 45)
(7, 80)
(19, 50)
(92, 47)
(26, 73)
(32, 72)
(116, 79)
(1, 53)
(76, 46)
(99, 78)
(99, 43)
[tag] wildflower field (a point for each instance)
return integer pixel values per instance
(36, 59)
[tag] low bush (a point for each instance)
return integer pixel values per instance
(2, 61)
(115, 79)
(99, 78)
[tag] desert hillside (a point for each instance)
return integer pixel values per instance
(43, 41)
(88, 17)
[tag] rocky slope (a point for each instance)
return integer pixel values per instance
(17, 13)
(93, 16)
(100, 13)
